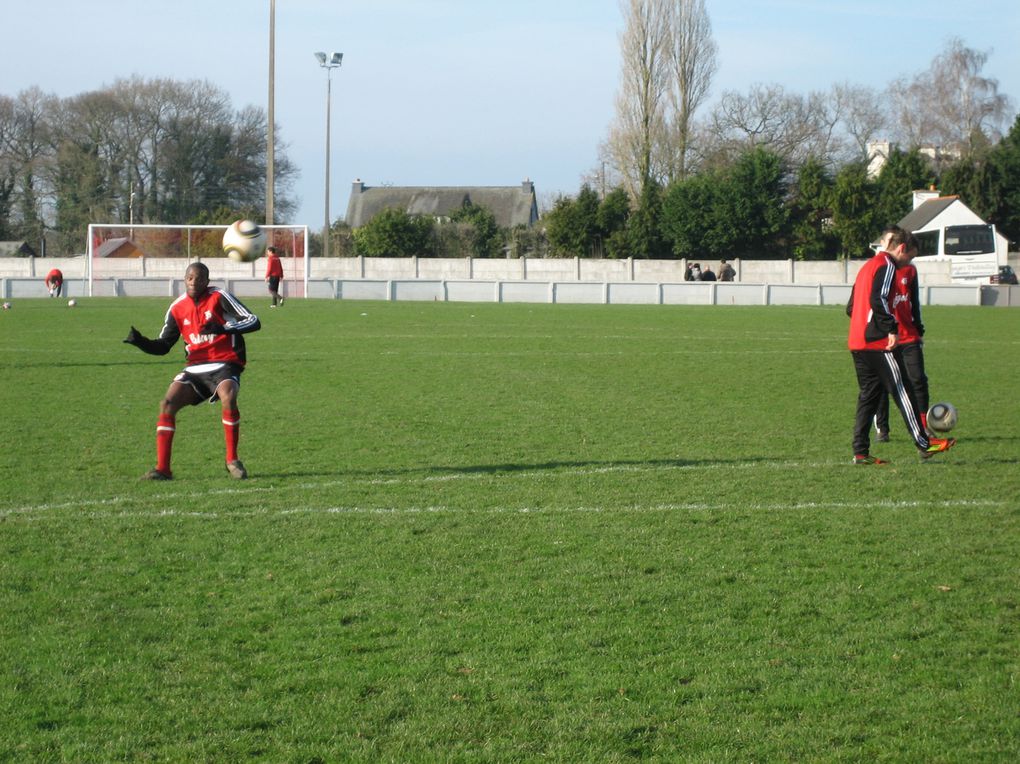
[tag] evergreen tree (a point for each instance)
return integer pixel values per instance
(810, 216)
(692, 221)
(755, 198)
(394, 233)
(572, 225)
(902, 173)
(852, 199)
(612, 217)
(645, 238)
(486, 238)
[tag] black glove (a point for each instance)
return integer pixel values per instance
(143, 343)
(212, 327)
(134, 338)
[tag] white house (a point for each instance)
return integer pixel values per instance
(948, 229)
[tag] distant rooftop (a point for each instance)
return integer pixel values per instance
(511, 205)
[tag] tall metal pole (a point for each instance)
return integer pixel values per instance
(325, 227)
(329, 64)
(271, 132)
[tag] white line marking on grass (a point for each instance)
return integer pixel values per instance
(525, 510)
(493, 473)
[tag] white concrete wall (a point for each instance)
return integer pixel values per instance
(523, 269)
(572, 280)
(561, 292)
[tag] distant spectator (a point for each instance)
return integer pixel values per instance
(726, 272)
(708, 274)
(54, 282)
(688, 276)
(696, 272)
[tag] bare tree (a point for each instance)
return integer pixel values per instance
(668, 61)
(32, 151)
(640, 104)
(950, 105)
(794, 127)
(693, 64)
(862, 115)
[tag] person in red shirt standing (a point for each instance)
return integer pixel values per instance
(54, 282)
(874, 342)
(906, 307)
(212, 322)
(274, 274)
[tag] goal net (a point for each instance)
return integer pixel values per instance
(144, 259)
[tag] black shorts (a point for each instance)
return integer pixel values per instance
(205, 378)
(274, 283)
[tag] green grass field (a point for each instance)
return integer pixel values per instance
(505, 533)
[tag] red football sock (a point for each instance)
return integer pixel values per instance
(231, 432)
(166, 425)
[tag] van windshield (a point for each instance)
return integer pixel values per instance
(969, 240)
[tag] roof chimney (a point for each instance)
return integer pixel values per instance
(357, 187)
(924, 194)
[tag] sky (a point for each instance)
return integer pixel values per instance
(468, 92)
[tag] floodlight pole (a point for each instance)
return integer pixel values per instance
(329, 64)
(271, 126)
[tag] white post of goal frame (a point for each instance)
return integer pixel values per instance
(88, 262)
(308, 262)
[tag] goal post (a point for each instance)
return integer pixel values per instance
(116, 252)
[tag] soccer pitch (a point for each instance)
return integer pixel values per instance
(505, 533)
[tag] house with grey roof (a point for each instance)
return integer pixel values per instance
(511, 205)
(16, 249)
(946, 228)
(118, 247)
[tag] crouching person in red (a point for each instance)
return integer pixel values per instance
(54, 282)
(212, 322)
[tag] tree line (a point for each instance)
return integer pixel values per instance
(143, 151)
(759, 206)
(768, 173)
(762, 207)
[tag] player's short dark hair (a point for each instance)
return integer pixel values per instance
(899, 236)
(199, 267)
(274, 250)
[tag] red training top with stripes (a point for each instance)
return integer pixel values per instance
(906, 305)
(871, 316)
(186, 317)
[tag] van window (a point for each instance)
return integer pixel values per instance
(928, 242)
(969, 240)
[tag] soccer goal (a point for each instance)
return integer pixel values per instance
(118, 253)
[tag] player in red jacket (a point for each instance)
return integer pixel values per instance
(54, 282)
(906, 307)
(274, 274)
(874, 343)
(212, 323)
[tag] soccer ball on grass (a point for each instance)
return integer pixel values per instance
(244, 241)
(71, 303)
(941, 417)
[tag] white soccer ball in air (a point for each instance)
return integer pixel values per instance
(244, 241)
(71, 303)
(942, 417)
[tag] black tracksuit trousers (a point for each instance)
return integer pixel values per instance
(881, 373)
